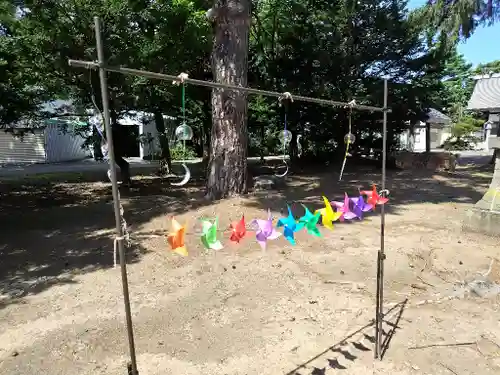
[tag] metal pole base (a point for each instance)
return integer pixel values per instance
(130, 371)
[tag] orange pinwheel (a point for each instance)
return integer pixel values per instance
(373, 197)
(238, 230)
(176, 238)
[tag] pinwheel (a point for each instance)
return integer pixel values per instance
(265, 231)
(290, 226)
(343, 207)
(328, 215)
(209, 235)
(176, 238)
(238, 230)
(310, 222)
(373, 197)
(360, 206)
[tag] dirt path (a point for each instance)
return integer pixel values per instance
(293, 310)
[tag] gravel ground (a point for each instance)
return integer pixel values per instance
(304, 309)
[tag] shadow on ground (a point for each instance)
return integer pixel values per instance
(340, 355)
(55, 229)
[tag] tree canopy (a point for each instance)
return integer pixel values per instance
(459, 18)
(330, 49)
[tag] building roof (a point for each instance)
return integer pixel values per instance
(436, 117)
(486, 95)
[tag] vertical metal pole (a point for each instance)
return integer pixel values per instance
(116, 196)
(381, 253)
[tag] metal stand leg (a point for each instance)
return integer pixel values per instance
(379, 314)
(132, 368)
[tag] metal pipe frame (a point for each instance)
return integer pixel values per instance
(101, 66)
(215, 85)
(116, 196)
(379, 313)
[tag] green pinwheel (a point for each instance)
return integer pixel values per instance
(209, 235)
(310, 222)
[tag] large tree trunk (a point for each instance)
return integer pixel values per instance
(227, 167)
(427, 137)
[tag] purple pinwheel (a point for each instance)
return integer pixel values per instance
(265, 231)
(343, 207)
(360, 206)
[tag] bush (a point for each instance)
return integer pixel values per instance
(460, 144)
(177, 152)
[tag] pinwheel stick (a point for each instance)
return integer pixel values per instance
(103, 68)
(164, 233)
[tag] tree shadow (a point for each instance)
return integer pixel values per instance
(406, 188)
(53, 230)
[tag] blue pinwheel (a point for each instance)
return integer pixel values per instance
(290, 226)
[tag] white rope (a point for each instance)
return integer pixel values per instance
(351, 104)
(182, 77)
(385, 191)
(286, 96)
(124, 225)
(115, 247)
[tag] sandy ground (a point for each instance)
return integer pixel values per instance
(304, 309)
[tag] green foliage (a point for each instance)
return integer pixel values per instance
(458, 85)
(454, 19)
(488, 68)
(466, 126)
(463, 134)
(327, 49)
(20, 96)
(340, 49)
(178, 152)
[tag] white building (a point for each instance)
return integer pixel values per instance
(440, 131)
(486, 98)
(46, 141)
(143, 140)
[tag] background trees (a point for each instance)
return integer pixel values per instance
(331, 49)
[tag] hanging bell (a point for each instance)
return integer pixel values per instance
(184, 132)
(285, 136)
(349, 138)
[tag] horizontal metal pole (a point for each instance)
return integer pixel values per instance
(197, 82)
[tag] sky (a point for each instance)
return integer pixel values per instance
(479, 47)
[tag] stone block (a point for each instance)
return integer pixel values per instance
(482, 221)
(267, 182)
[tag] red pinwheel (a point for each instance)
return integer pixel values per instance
(238, 230)
(373, 197)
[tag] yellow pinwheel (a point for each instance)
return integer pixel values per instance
(328, 215)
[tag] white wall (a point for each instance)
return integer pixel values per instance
(63, 146)
(416, 142)
(148, 128)
(28, 149)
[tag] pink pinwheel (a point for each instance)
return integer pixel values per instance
(343, 207)
(265, 231)
(360, 206)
